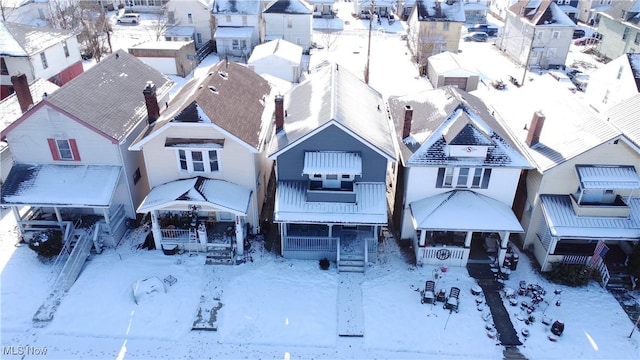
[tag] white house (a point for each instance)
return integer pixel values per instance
(193, 14)
(27, 12)
(499, 8)
(291, 20)
(457, 178)
(205, 162)
(72, 162)
(614, 82)
(237, 27)
(37, 52)
(278, 58)
(323, 8)
(537, 33)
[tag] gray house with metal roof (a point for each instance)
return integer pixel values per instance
(333, 149)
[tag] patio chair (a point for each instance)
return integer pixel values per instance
(428, 294)
(453, 299)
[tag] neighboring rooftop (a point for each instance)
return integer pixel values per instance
(237, 7)
(436, 10)
(23, 40)
(289, 7)
(541, 12)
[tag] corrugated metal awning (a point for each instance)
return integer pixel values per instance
(332, 162)
(608, 177)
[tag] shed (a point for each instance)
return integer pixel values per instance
(168, 57)
(279, 58)
(448, 68)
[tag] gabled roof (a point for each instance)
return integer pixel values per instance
(624, 117)
(436, 10)
(571, 127)
(104, 97)
(451, 116)
(237, 7)
(10, 107)
(451, 64)
(626, 11)
(288, 7)
(333, 95)
(24, 40)
(279, 48)
(230, 96)
(541, 12)
(634, 63)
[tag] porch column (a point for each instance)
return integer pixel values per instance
(155, 229)
(16, 214)
(282, 227)
(330, 230)
(105, 213)
(502, 252)
(58, 217)
(423, 237)
(467, 239)
(239, 237)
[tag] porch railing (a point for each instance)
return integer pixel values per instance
(175, 235)
(371, 249)
(310, 247)
(450, 256)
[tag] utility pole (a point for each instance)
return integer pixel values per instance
(366, 67)
(526, 64)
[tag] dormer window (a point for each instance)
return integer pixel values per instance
(477, 178)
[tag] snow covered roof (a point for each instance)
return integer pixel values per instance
(23, 40)
(600, 177)
(230, 96)
(332, 162)
(208, 193)
(563, 221)
(288, 7)
(570, 128)
(228, 32)
(179, 31)
(61, 185)
(166, 45)
(453, 114)
(237, 7)
(280, 48)
(10, 107)
(334, 95)
(541, 13)
(428, 11)
(634, 63)
(624, 10)
(451, 65)
(463, 210)
(291, 205)
(475, 7)
(624, 116)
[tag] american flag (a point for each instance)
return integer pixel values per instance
(599, 252)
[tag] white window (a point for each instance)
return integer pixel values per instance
(228, 18)
(463, 177)
(64, 150)
(448, 177)
(65, 47)
(244, 20)
(198, 161)
(199, 38)
(289, 22)
(43, 59)
(620, 69)
(555, 35)
(239, 44)
(171, 17)
(190, 18)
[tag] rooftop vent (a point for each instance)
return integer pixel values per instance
(213, 89)
(223, 74)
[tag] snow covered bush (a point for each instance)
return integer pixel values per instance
(324, 264)
(571, 274)
(47, 243)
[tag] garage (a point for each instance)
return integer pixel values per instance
(459, 82)
(449, 69)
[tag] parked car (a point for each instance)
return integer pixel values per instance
(560, 76)
(477, 36)
(580, 81)
(587, 41)
(578, 33)
(573, 73)
(489, 29)
(131, 18)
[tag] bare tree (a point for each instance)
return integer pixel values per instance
(65, 14)
(95, 37)
(424, 42)
(6, 9)
(160, 24)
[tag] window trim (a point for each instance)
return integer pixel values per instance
(57, 154)
(186, 164)
(474, 178)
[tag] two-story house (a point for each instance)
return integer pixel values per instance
(37, 52)
(26, 12)
(499, 8)
(380, 8)
(403, 8)
(619, 25)
(205, 162)
(457, 176)
(537, 34)
(569, 8)
(323, 8)
(434, 27)
(333, 147)
(72, 163)
(193, 17)
(583, 190)
(614, 82)
(589, 9)
(475, 11)
(291, 20)
(144, 6)
(236, 26)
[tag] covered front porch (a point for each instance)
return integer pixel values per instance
(461, 226)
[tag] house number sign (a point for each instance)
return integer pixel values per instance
(443, 254)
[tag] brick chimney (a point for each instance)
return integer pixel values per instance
(151, 100)
(279, 99)
(533, 136)
(406, 126)
(21, 87)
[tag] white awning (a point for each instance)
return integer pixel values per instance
(332, 162)
(608, 177)
(463, 210)
(61, 185)
(233, 33)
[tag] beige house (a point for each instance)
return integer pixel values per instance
(435, 27)
(206, 165)
(448, 68)
(583, 190)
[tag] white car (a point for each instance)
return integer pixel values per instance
(131, 18)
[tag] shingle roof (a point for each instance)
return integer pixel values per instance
(237, 7)
(109, 96)
(30, 39)
(288, 7)
(453, 116)
(231, 96)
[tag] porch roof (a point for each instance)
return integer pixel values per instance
(61, 185)
(370, 207)
(563, 221)
(463, 210)
(233, 33)
(608, 177)
(332, 162)
(208, 193)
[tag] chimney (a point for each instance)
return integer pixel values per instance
(408, 116)
(279, 112)
(21, 87)
(533, 136)
(151, 100)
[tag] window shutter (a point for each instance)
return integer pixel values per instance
(440, 178)
(74, 149)
(54, 149)
(485, 178)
